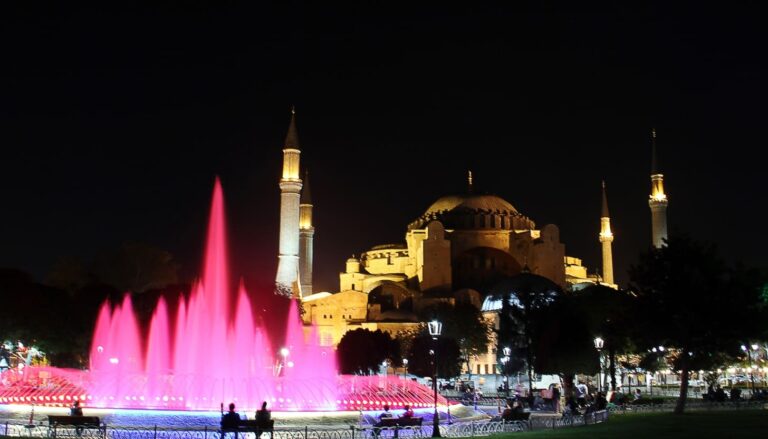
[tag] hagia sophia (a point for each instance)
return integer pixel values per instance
(454, 252)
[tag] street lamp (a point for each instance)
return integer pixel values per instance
(504, 360)
(599, 343)
(435, 328)
(405, 366)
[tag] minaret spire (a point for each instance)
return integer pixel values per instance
(470, 188)
(658, 199)
(306, 238)
(290, 188)
(606, 238)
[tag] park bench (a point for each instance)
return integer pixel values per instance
(524, 416)
(91, 424)
(250, 426)
(396, 423)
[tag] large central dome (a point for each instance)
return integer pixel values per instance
(473, 212)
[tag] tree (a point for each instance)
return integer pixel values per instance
(362, 351)
(563, 342)
(422, 356)
(607, 313)
(699, 306)
(465, 324)
(136, 267)
(524, 299)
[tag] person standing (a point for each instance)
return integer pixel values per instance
(556, 398)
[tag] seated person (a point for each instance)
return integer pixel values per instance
(263, 416)
(231, 419)
(408, 412)
(386, 414)
(508, 413)
(76, 410)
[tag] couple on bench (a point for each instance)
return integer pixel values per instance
(387, 419)
(232, 423)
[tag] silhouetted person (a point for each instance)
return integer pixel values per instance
(386, 414)
(231, 419)
(76, 410)
(408, 412)
(719, 394)
(263, 416)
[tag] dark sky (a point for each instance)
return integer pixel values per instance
(114, 123)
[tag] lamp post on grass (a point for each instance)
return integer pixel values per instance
(504, 360)
(435, 329)
(599, 343)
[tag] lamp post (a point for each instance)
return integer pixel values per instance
(504, 360)
(435, 328)
(405, 366)
(599, 343)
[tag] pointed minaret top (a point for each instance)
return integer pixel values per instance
(604, 213)
(292, 138)
(654, 164)
(469, 182)
(305, 195)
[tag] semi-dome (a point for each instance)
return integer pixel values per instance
(474, 211)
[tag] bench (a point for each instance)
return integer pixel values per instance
(396, 423)
(250, 426)
(524, 416)
(79, 423)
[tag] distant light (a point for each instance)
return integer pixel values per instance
(290, 364)
(284, 352)
(100, 349)
(114, 360)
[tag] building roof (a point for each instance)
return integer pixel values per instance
(468, 211)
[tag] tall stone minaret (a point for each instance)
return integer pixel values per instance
(658, 200)
(606, 238)
(306, 235)
(290, 188)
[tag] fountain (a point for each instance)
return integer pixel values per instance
(205, 351)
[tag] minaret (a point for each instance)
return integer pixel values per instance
(470, 186)
(658, 200)
(606, 238)
(290, 188)
(306, 235)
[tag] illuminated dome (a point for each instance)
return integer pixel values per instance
(474, 212)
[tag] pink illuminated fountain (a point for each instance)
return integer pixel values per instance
(207, 350)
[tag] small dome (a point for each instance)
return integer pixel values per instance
(474, 212)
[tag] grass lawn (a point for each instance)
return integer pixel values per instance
(700, 425)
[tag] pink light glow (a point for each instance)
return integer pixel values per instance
(205, 352)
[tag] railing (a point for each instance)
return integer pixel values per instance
(459, 429)
(689, 406)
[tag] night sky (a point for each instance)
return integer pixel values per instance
(114, 123)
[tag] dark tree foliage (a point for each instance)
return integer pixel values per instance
(136, 267)
(421, 357)
(608, 313)
(525, 299)
(49, 318)
(362, 352)
(694, 303)
(465, 324)
(563, 342)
